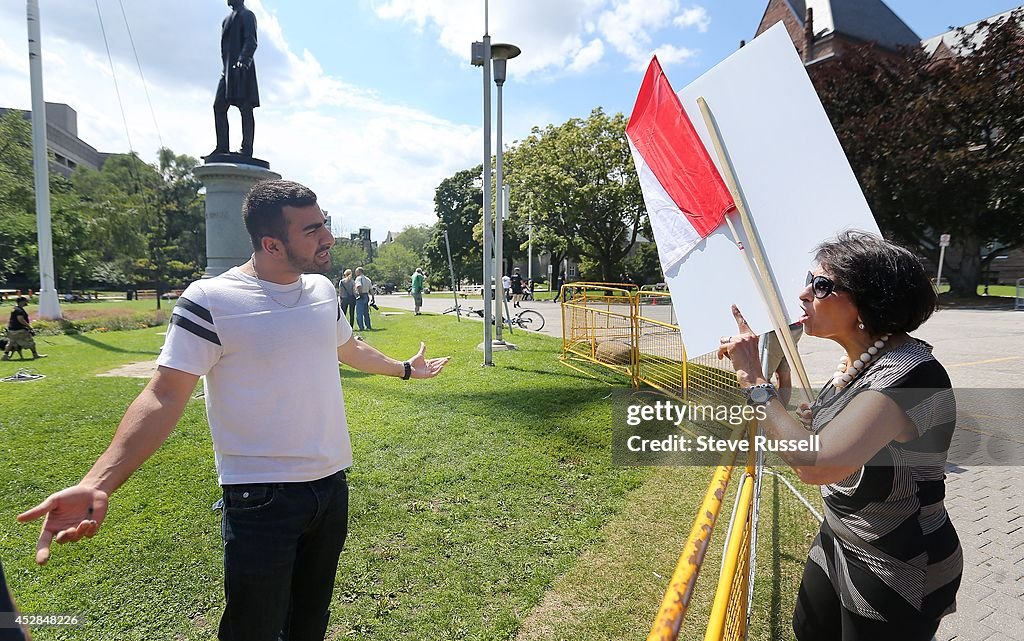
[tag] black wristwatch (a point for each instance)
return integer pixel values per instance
(408, 370)
(760, 394)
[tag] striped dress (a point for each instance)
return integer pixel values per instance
(887, 544)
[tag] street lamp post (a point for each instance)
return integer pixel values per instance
(481, 54)
(500, 54)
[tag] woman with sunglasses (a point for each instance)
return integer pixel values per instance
(886, 563)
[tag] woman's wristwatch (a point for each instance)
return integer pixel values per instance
(408, 370)
(760, 394)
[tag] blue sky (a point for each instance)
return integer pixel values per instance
(373, 102)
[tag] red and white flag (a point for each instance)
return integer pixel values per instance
(685, 195)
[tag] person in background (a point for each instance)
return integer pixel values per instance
(506, 287)
(517, 287)
(558, 286)
(347, 296)
(19, 332)
(417, 289)
(364, 294)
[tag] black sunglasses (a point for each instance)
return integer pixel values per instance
(822, 286)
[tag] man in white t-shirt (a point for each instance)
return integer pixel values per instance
(266, 337)
(364, 296)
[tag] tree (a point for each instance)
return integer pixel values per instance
(146, 223)
(18, 248)
(644, 267)
(178, 220)
(128, 222)
(578, 182)
(938, 145)
(458, 203)
(394, 264)
(19, 254)
(346, 254)
(415, 238)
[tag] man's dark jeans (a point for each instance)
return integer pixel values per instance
(281, 548)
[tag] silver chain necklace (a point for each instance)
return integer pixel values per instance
(259, 281)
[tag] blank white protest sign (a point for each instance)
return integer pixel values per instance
(795, 178)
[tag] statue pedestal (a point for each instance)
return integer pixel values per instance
(227, 242)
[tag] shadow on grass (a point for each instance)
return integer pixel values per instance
(542, 413)
(600, 375)
(92, 342)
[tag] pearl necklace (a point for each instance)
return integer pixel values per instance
(844, 375)
(259, 281)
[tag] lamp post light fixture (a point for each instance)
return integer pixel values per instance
(500, 54)
(481, 53)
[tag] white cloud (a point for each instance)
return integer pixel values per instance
(587, 56)
(548, 32)
(629, 25)
(667, 55)
(372, 162)
(693, 17)
(555, 36)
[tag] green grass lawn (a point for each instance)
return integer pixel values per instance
(1004, 291)
(475, 497)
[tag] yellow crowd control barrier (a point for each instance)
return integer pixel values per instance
(728, 618)
(599, 326)
(633, 332)
(677, 599)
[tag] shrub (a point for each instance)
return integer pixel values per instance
(117, 321)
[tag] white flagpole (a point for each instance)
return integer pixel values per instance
(760, 272)
(49, 306)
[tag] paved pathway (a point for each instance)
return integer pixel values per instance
(980, 349)
(552, 311)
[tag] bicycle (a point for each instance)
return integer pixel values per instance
(527, 319)
(458, 308)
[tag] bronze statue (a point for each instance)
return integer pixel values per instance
(237, 85)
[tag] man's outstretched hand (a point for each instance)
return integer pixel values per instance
(422, 367)
(71, 514)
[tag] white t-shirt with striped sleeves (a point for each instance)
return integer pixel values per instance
(271, 375)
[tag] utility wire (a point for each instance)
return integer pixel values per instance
(113, 73)
(138, 64)
(146, 202)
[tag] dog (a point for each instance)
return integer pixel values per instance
(3, 348)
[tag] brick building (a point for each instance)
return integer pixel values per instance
(822, 29)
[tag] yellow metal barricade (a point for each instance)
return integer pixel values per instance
(599, 326)
(680, 588)
(633, 332)
(728, 619)
(661, 355)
